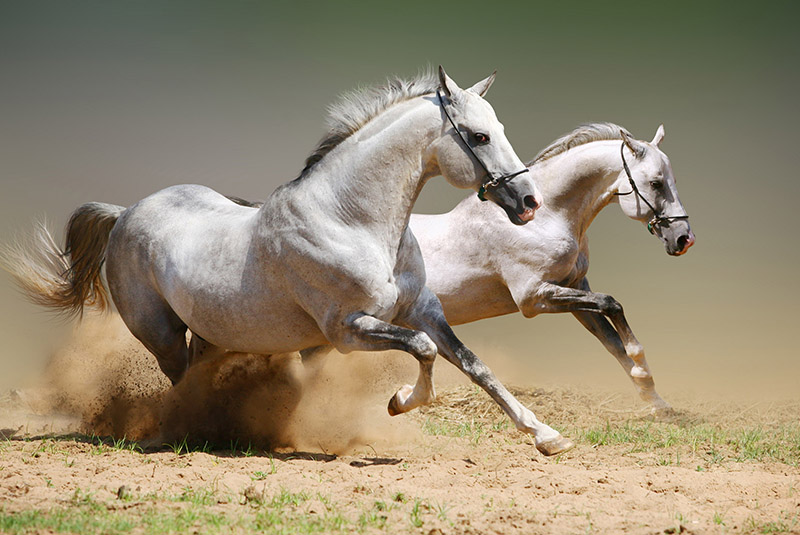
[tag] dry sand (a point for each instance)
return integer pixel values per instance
(329, 437)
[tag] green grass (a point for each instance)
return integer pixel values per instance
(672, 442)
(473, 430)
(415, 517)
(281, 513)
(264, 474)
(718, 443)
(715, 444)
(786, 523)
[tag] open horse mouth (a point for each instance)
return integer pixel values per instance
(530, 205)
(683, 243)
(519, 218)
(527, 214)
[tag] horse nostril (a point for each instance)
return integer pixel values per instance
(530, 202)
(683, 242)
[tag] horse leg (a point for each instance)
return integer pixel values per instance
(600, 327)
(553, 298)
(159, 329)
(371, 334)
(427, 315)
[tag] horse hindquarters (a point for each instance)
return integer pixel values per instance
(141, 306)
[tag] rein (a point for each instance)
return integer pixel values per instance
(493, 181)
(658, 220)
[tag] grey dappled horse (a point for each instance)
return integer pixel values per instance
(327, 259)
(480, 269)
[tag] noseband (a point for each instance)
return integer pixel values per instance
(493, 181)
(658, 220)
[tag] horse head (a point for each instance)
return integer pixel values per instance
(653, 196)
(474, 152)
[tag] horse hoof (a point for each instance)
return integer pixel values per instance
(555, 446)
(396, 404)
(394, 410)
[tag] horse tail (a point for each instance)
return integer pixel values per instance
(65, 280)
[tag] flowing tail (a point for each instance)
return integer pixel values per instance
(65, 280)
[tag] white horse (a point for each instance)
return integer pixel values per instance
(480, 269)
(327, 259)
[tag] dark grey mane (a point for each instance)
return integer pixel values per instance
(585, 133)
(358, 107)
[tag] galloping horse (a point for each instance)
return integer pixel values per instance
(327, 259)
(480, 269)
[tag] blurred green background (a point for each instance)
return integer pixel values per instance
(111, 101)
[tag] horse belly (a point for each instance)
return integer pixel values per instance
(259, 331)
(243, 308)
(474, 299)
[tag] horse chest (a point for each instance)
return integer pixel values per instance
(552, 254)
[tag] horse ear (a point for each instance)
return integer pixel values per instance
(636, 148)
(659, 137)
(483, 86)
(448, 85)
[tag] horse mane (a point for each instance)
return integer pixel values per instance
(358, 107)
(585, 133)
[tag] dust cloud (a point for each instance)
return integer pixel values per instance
(106, 378)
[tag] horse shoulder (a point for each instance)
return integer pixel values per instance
(340, 264)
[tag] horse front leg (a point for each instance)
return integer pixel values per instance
(427, 316)
(589, 308)
(368, 333)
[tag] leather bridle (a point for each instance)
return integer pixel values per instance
(658, 220)
(493, 182)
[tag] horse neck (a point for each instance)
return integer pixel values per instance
(579, 183)
(373, 178)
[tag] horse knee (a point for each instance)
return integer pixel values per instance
(610, 306)
(423, 347)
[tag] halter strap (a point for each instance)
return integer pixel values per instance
(493, 181)
(658, 220)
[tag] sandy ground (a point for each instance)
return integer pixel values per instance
(454, 468)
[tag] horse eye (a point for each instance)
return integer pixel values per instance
(481, 139)
(656, 184)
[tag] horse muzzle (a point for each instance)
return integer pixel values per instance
(518, 197)
(680, 245)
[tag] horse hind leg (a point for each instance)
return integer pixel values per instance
(161, 331)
